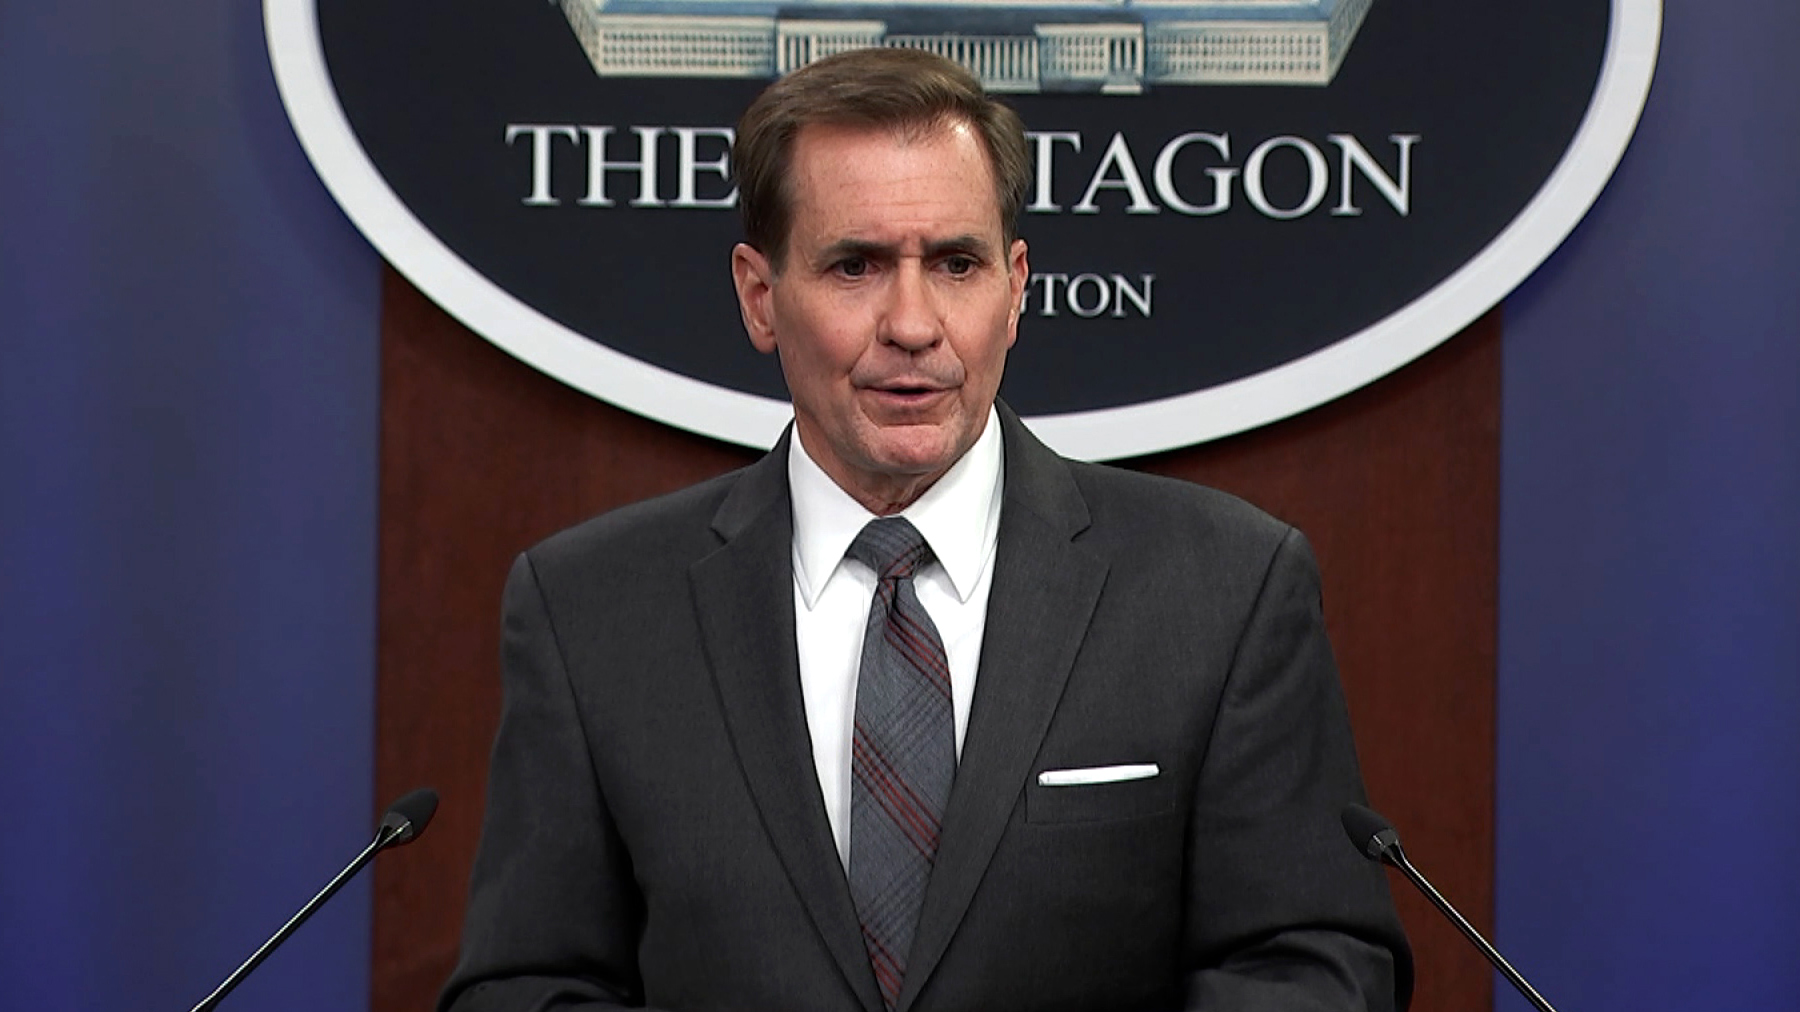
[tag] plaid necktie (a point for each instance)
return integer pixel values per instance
(903, 753)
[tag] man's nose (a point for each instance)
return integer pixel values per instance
(911, 318)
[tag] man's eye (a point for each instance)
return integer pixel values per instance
(959, 264)
(852, 267)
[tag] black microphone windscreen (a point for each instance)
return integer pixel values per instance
(411, 814)
(1371, 833)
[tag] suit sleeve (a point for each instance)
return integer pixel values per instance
(1282, 913)
(553, 916)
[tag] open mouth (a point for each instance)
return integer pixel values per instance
(907, 397)
(908, 392)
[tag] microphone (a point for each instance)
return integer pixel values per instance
(1378, 840)
(407, 818)
(400, 824)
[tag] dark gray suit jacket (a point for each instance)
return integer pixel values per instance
(655, 833)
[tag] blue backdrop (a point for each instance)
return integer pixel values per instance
(187, 516)
(1649, 711)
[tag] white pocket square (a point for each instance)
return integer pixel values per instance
(1097, 775)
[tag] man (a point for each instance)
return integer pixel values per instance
(914, 714)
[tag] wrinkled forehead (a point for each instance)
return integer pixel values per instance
(934, 180)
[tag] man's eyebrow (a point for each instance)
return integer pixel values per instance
(971, 244)
(863, 248)
(867, 249)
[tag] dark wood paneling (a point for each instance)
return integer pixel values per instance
(1395, 484)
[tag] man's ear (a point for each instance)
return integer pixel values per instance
(751, 273)
(1018, 275)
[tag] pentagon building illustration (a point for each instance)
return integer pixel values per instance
(1019, 46)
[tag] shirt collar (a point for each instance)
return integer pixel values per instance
(959, 515)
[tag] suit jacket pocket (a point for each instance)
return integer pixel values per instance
(1125, 799)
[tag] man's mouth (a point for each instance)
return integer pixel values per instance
(907, 396)
(908, 387)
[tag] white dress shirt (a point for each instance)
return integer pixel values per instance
(959, 517)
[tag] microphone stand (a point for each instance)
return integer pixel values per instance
(404, 820)
(1396, 857)
(383, 836)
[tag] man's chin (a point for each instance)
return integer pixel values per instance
(916, 450)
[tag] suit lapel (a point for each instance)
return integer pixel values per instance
(744, 595)
(1044, 592)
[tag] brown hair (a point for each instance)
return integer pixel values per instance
(895, 88)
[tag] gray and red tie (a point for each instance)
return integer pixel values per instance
(903, 753)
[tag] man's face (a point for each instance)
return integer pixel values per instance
(895, 304)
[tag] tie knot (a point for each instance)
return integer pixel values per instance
(892, 547)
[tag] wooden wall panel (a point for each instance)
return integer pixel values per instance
(1396, 485)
